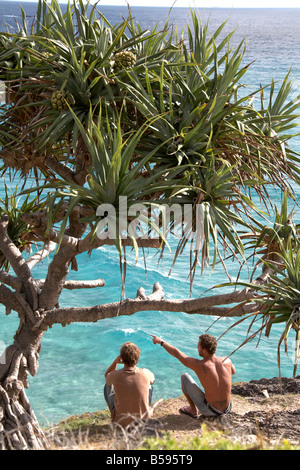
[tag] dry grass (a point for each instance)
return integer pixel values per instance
(94, 431)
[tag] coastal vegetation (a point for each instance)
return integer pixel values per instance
(256, 423)
(76, 432)
(97, 114)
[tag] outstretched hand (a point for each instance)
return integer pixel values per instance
(156, 339)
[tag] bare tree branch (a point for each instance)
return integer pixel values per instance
(38, 221)
(41, 254)
(18, 264)
(77, 284)
(86, 244)
(12, 253)
(154, 301)
(62, 170)
(7, 298)
(10, 280)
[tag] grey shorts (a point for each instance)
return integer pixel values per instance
(198, 397)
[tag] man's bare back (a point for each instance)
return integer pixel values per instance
(215, 377)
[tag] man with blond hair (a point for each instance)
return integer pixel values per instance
(128, 391)
(214, 374)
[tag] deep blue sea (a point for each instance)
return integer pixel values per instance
(73, 359)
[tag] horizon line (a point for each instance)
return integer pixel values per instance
(171, 7)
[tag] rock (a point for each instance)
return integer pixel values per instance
(255, 387)
(273, 426)
(270, 419)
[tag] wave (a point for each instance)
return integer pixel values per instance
(128, 331)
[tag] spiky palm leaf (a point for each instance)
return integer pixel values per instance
(283, 297)
(265, 241)
(278, 298)
(76, 59)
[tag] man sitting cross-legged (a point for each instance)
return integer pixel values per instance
(214, 374)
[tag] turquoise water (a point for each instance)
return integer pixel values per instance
(73, 359)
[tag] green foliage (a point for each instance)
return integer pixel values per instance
(84, 421)
(210, 440)
(278, 250)
(207, 440)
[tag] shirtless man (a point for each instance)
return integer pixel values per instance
(214, 374)
(128, 391)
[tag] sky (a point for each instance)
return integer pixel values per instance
(209, 3)
(199, 3)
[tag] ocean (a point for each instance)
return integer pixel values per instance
(73, 359)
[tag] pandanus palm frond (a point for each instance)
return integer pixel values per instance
(115, 173)
(277, 299)
(282, 297)
(119, 172)
(203, 116)
(266, 241)
(68, 60)
(211, 195)
(194, 88)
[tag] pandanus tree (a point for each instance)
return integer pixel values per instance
(102, 115)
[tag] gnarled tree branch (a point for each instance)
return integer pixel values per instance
(12, 253)
(38, 221)
(41, 254)
(77, 284)
(154, 301)
(18, 264)
(10, 280)
(8, 299)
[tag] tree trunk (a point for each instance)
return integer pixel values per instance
(19, 428)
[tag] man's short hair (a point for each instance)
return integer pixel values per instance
(130, 354)
(209, 343)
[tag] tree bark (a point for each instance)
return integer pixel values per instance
(19, 428)
(154, 301)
